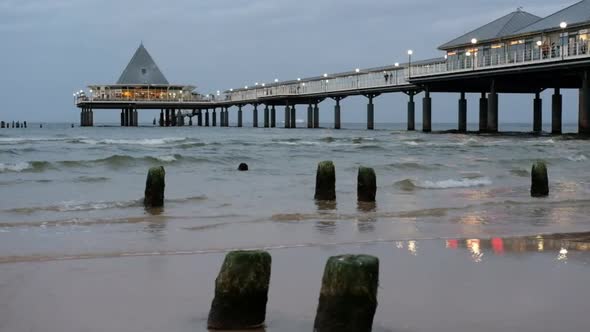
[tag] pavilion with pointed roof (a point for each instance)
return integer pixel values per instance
(141, 80)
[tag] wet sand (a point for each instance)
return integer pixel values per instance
(512, 284)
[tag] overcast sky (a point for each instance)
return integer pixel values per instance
(50, 48)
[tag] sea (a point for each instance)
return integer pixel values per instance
(462, 244)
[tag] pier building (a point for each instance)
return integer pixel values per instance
(516, 53)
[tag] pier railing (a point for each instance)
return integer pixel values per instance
(479, 61)
(361, 80)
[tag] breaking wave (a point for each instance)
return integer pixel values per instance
(85, 206)
(33, 166)
(144, 141)
(410, 184)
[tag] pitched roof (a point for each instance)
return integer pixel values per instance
(142, 70)
(576, 13)
(504, 26)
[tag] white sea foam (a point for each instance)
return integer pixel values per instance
(145, 141)
(579, 157)
(167, 159)
(411, 143)
(18, 167)
(452, 183)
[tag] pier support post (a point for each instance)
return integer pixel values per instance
(426, 112)
(273, 117)
(135, 118)
(337, 113)
(214, 117)
(90, 114)
(556, 110)
(207, 118)
(316, 116)
(266, 117)
(255, 116)
(180, 118)
(127, 117)
(310, 116)
(122, 118)
(82, 117)
(493, 109)
(462, 127)
(161, 122)
(287, 116)
(370, 113)
(239, 116)
(227, 116)
(483, 113)
(200, 118)
(167, 117)
(293, 121)
(537, 113)
(584, 108)
(2, 124)
(411, 112)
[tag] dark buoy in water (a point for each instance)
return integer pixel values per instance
(40, 125)
(366, 184)
(539, 180)
(348, 298)
(325, 181)
(243, 167)
(154, 187)
(241, 291)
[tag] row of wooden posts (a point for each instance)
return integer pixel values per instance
(348, 296)
(16, 124)
(325, 188)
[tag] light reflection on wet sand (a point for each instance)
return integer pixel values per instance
(425, 285)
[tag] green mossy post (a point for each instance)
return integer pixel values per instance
(366, 187)
(154, 187)
(348, 298)
(325, 182)
(241, 291)
(539, 180)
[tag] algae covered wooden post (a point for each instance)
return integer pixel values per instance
(366, 184)
(154, 187)
(348, 298)
(241, 291)
(539, 180)
(325, 181)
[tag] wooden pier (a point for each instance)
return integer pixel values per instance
(518, 53)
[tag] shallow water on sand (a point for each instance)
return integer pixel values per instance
(75, 194)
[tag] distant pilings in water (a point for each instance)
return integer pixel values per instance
(17, 124)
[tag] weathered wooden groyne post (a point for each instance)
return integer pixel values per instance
(325, 183)
(348, 297)
(241, 291)
(154, 187)
(366, 184)
(539, 180)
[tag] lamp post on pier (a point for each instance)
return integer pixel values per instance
(410, 52)
(474, 42)
(563, 26)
